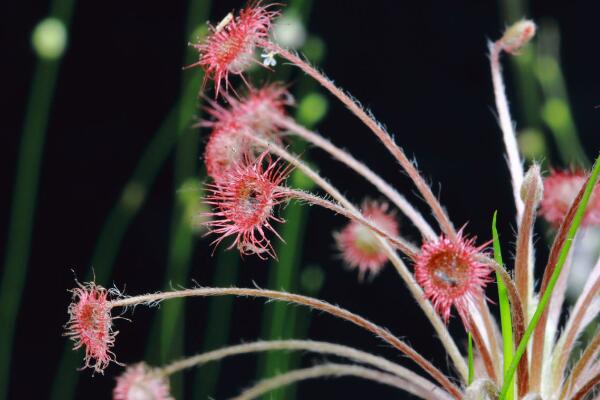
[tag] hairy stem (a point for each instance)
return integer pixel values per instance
(574, 327)
(580, 204)
(524, 240)
(399, 243)
(491, 330)
(416, 291)
(343, 156)
(555, 251)
(483, 350)
(307, 345)
(518, 324)
(377, 129)
(313, 303)
(587, 387)
(506, 125)
(588, 355)
(323, 371)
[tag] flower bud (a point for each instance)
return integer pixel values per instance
(533, 181)
(517, 36)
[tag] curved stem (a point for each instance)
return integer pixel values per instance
(588, 355)
(307, 345)
(399, 243)
(574, 328)
(377, 129)
(416, 291)
(587, 387)
(506, 125)
(313, 303)
(322, 371)
(343, 156)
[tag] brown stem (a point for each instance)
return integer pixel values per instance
(585, 389)
(522, 261)
(491, 333)
(328, 371)
(588, 355)
(518, 322)
(363, 170)
(483, 350)
(539, 334)
(574, 329)
(313, 303)
(400, 244)
(440, 328)
(377, 129)
(523, 245)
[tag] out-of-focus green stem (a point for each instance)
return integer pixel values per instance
(22, 212)
(120, 217)
(129, 204)
(182, 239)
(556, 111)
(278, 321)
(132, 198)
(217, 324)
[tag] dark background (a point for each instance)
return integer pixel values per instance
(420, 66)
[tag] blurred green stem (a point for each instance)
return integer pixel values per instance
(22, 213)
(120, 217)
(217, 323)
(181, 245)
(556, 111)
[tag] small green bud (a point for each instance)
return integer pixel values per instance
(49, 38)
(312, 108)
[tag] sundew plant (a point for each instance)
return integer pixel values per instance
(534, 349)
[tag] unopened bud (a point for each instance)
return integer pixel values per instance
(533, 181)
(517, 35)
(49, 38)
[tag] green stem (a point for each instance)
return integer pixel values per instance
(505, 317)
(181, 244)
(556, 111)
(128, 205)
(278, 322)
(217, 324)
(470, 358)
(22, 212)
(564, 251)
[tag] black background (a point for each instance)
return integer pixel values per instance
(420, 66)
